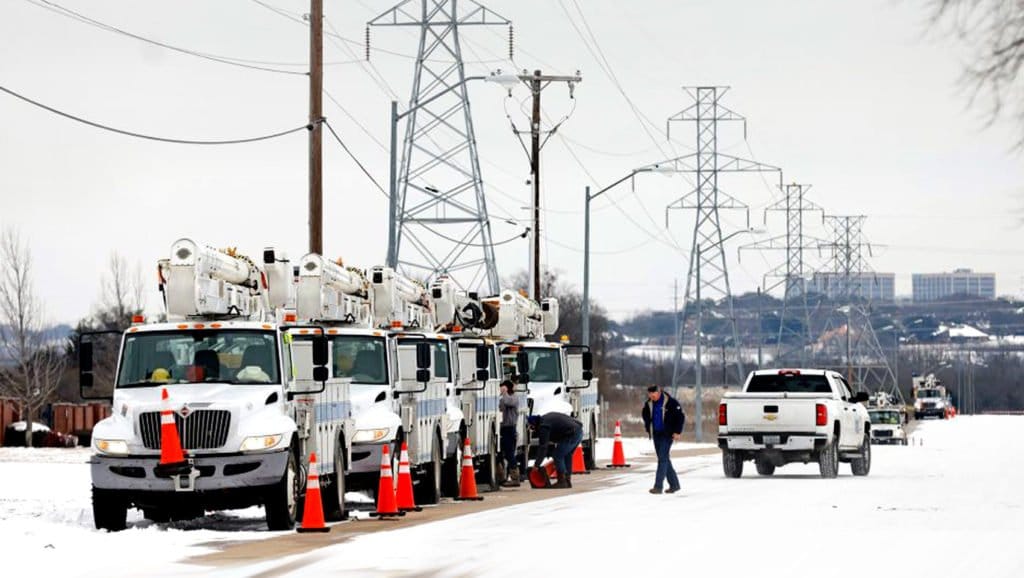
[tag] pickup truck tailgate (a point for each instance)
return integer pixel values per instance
(771, 412)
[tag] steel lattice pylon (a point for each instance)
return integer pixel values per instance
(441, 225)
(708, 274)
(791, 344)
(850, 336)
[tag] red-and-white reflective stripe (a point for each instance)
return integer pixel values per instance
(314, 482)
(403, 467)
(167, 417)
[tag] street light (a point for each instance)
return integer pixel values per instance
(655, 168)
(699, 390)
(503, 80)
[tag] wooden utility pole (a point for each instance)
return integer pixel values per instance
(316, 89)
(537, 82)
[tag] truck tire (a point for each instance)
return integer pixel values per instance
(862, 466)
(109, 510)
(427, 490)
(590, 447)
(732, 464)
(334, 497)
(451, 475)
(764, 467)
(282, 498)
(487, 476)
(828, 459)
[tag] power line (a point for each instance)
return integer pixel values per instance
(239, 62)
(464, 243)
(354, 159)
(151, 137)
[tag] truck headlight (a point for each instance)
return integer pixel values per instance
(261, 443)
(112, 447)
(370, 435)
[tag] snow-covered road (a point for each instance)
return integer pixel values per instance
(952, 507)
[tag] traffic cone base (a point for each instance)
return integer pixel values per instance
(578, 465)
(467, 486)
(387, 504)
(404, 494)
(542, 477)
(313, 513)
(618, 455)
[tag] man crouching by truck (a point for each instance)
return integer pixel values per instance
(566, 433)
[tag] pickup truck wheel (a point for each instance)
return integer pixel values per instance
(764, 467)
(828, 460)
(732, 464)
(109, 511)
(282, 501)
(862, 465)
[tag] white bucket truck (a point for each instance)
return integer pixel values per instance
(557, 376)
(243, 418)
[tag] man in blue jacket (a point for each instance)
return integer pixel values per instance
(663, 422)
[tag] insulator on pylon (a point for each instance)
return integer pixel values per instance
(511, 41)
(367, 43)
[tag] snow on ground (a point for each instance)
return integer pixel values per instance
(949, 507)
(952, 507)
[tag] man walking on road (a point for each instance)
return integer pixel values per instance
(663, 422)
(566, 433)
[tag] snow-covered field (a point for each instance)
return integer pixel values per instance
(950, 507)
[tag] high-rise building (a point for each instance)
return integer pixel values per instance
(935, 286)
(879, 287)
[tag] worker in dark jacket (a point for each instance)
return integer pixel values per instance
(566, 433)
(663, 422)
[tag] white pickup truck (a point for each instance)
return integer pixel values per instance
(794, 415)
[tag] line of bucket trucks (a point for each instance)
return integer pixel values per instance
(266, 363)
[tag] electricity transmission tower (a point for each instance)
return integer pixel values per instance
(708, 275)
(439, 222)
(792, 342)
(850, 336)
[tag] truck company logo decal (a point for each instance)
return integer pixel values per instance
(771, 416)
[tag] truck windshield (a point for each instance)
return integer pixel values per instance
(361, 358)
(545, 365)
(789, 383)
(885, 417)
(928, 393)
(226, 356)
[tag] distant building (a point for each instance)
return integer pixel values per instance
(935, 286)
(871, 286)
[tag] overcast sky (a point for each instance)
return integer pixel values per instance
(858, 99)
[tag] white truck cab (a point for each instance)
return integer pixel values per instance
(794, 415)
(244, 418)
(887, 426)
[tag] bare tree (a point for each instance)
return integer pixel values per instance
(121, 293)
(36, 360)
(994, 30)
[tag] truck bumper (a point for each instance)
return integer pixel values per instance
(787, 442)
(215, 473)
(366, 458)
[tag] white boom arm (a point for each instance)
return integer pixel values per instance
(400, 300)
(456, 307)
(202, 281)
(330, 292)
(523, 318)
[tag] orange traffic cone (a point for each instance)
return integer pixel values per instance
(172, 458)
(544, 476)
(313, 512)
(618, 456)
(467, 488)
(578, 465)
(404, 495)
(386, 503)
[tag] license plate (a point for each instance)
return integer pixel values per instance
(772, 440)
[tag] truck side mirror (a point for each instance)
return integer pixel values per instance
(483, 357)
(860, 397)
(423, 375)
(320, 373)
(482, 375)
(85, 358)
(588, 364)
(523, 367)
(423, 359)
(321, 352)
(588, 375)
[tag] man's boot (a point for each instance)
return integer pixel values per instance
(563, 482)
(568, 479)
(513, 479)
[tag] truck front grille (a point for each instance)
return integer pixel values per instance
(883, 433)
(203, 429)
